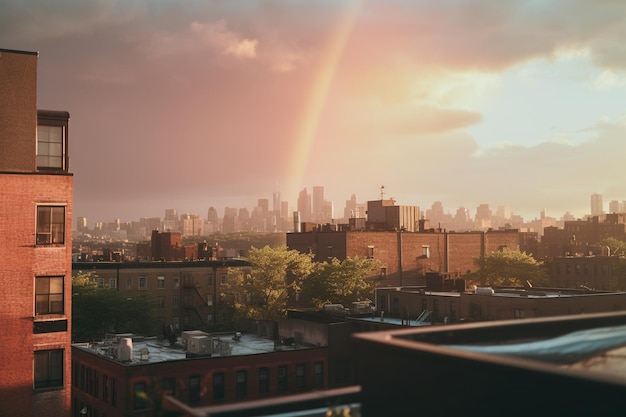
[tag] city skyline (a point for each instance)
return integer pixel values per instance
(201, 104)
(434, 212)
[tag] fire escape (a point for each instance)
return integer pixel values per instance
(195, 306)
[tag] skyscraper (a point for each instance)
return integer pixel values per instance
(304, 206)
(596, 205)
(317, 203)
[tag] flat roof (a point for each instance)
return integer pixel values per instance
(153, 350)
(16, 51)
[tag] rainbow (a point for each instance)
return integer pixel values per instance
(319, 90)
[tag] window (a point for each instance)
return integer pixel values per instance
(129, 283)
(281, 376)
(48, 368)
(48, 295)
(383, 272)
(175, 300)
(218, 386)
(168, 386)
(209, 300)
(264, 380)
(318, 372)
(194, 389)
(143, 283)
(300, 375)
(112, 283)
(425, 251)
(76, 376)
(241, 387)
(100, 282)
(50, 225)
(50, 147)
(176, 282)
(160, 301)
(140, 396)
(96, 384)
(160, 282)
(370, 252)
(105, 388)
(113, 392)
(518, 313)
(223, 279)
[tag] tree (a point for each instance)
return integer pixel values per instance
(509, 268)
(262, 293)
(616, 247)
(338, 282)
(97, 311)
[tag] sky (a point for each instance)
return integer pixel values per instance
(199, 103)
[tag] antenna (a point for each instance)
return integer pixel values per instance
(382, 192)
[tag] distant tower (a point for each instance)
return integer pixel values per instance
(317, 203)
(276, 201)
(596, 205)
(81, 224)
(171, 214)
(304, 205)
(616, 206)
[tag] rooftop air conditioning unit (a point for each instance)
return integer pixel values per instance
(200, 345)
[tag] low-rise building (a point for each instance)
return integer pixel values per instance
(126, 374)
(405, 257)
(186, 293)
(414, 304)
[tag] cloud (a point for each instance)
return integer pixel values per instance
(203, 99)
(217, 35)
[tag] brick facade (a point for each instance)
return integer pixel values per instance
(405, 257)
(31, 382)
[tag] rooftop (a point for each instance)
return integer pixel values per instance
(192, 344)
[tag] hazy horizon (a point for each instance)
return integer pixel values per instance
(195, 104)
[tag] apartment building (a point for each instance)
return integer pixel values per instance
(405, 257)
(35, 240)
(186, 293)
(129, 375)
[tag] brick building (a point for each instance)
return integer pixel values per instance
(487, 304)
(129, 376)
(405, 257)
(186, 293)
(35, 240)
(582, 237)
(593, 271)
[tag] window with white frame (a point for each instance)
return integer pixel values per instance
(50, 147)
(160, 282)
(143, 283)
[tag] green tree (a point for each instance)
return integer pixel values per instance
(97, 311)
(508, 268)
(261, 293)
(338, 282)
(616, 247)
